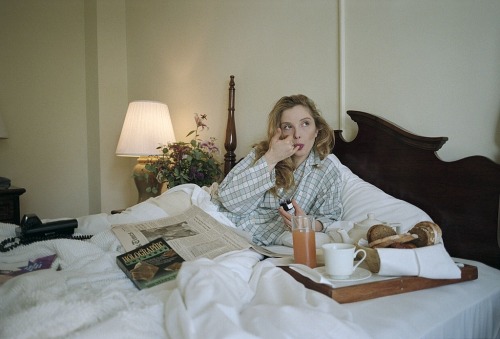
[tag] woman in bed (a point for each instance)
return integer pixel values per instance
(288, 173)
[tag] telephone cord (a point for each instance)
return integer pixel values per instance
(11, 243)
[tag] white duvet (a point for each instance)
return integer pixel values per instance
(234, 296)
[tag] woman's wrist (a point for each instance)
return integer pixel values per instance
(271, 163)
(318, 226)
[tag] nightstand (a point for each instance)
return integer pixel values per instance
(9, 204)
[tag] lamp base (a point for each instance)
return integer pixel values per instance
(144, 179)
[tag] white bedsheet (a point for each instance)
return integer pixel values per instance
(465, 310)
(236, 295)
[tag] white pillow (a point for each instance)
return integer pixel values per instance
(360, 198)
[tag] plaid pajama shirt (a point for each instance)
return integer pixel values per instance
(244, 197)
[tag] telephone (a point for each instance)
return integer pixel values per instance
(32, 229)
(32, 226)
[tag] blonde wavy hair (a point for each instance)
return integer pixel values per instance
(323, 144)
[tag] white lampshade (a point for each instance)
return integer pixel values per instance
(3, 129)
(147, 125)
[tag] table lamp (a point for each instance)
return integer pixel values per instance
(147, 125)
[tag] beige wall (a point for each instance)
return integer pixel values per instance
(68, 69)
(430, 66)
(182, 53)
(42, 100)
(117, 189)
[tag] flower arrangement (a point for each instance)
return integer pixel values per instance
(180, 162)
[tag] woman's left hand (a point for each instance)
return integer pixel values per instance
(287, 217)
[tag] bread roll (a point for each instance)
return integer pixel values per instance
(379, 231)
(428, 233)
(391, 240)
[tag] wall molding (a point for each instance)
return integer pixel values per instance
(341, 40)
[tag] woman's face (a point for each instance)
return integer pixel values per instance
(299, 123)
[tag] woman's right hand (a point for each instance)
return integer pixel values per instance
(279, 149)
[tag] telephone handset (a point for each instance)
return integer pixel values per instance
(32, 229)
(32, 226)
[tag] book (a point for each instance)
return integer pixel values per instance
(151, 264)
(11, 270)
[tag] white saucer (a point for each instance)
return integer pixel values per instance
(359, 274)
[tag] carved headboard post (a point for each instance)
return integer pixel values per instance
(230, 143)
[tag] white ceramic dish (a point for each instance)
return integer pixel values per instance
(359, 274)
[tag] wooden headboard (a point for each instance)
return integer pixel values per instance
(462, 197)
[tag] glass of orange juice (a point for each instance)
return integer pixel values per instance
(304, 240)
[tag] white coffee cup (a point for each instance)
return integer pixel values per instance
(339, 259)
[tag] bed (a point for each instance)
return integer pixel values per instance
(385, 170)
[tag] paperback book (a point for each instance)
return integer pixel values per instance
(150, 264)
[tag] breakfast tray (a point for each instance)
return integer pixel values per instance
(377, 289)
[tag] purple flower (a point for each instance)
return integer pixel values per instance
(209, 145)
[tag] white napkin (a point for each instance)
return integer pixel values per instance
(431, 262)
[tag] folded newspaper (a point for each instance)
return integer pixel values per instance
(192, 234)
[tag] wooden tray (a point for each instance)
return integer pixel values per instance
(376, 289)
